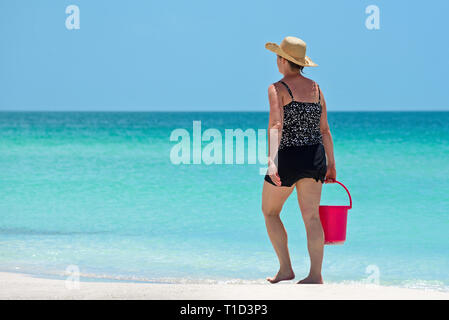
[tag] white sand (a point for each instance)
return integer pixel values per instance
(20, 286)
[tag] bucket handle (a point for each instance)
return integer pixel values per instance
(350, 199)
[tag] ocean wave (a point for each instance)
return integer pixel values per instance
(434, 285)
(25, 231)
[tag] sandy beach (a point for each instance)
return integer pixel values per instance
(22, 286)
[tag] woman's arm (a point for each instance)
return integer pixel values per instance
(327, 140)
(274, 132)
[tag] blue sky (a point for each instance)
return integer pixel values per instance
(209, 55)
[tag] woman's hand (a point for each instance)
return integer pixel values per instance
(273, 173)
(331, 174)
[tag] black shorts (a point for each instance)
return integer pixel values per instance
(299, 162)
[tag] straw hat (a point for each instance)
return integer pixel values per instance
(292, 49)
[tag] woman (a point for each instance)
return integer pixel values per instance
(300, 142)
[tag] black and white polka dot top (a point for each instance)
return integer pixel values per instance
(301, 122)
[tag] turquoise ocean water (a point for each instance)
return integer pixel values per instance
(98, 191)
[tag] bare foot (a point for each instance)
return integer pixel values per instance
(311, 280)
(282, 275)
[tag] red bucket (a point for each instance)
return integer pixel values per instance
(333, 219)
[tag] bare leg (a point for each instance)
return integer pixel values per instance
(309, 196)
(273, 199)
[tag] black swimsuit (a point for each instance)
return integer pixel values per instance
(301, 152)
